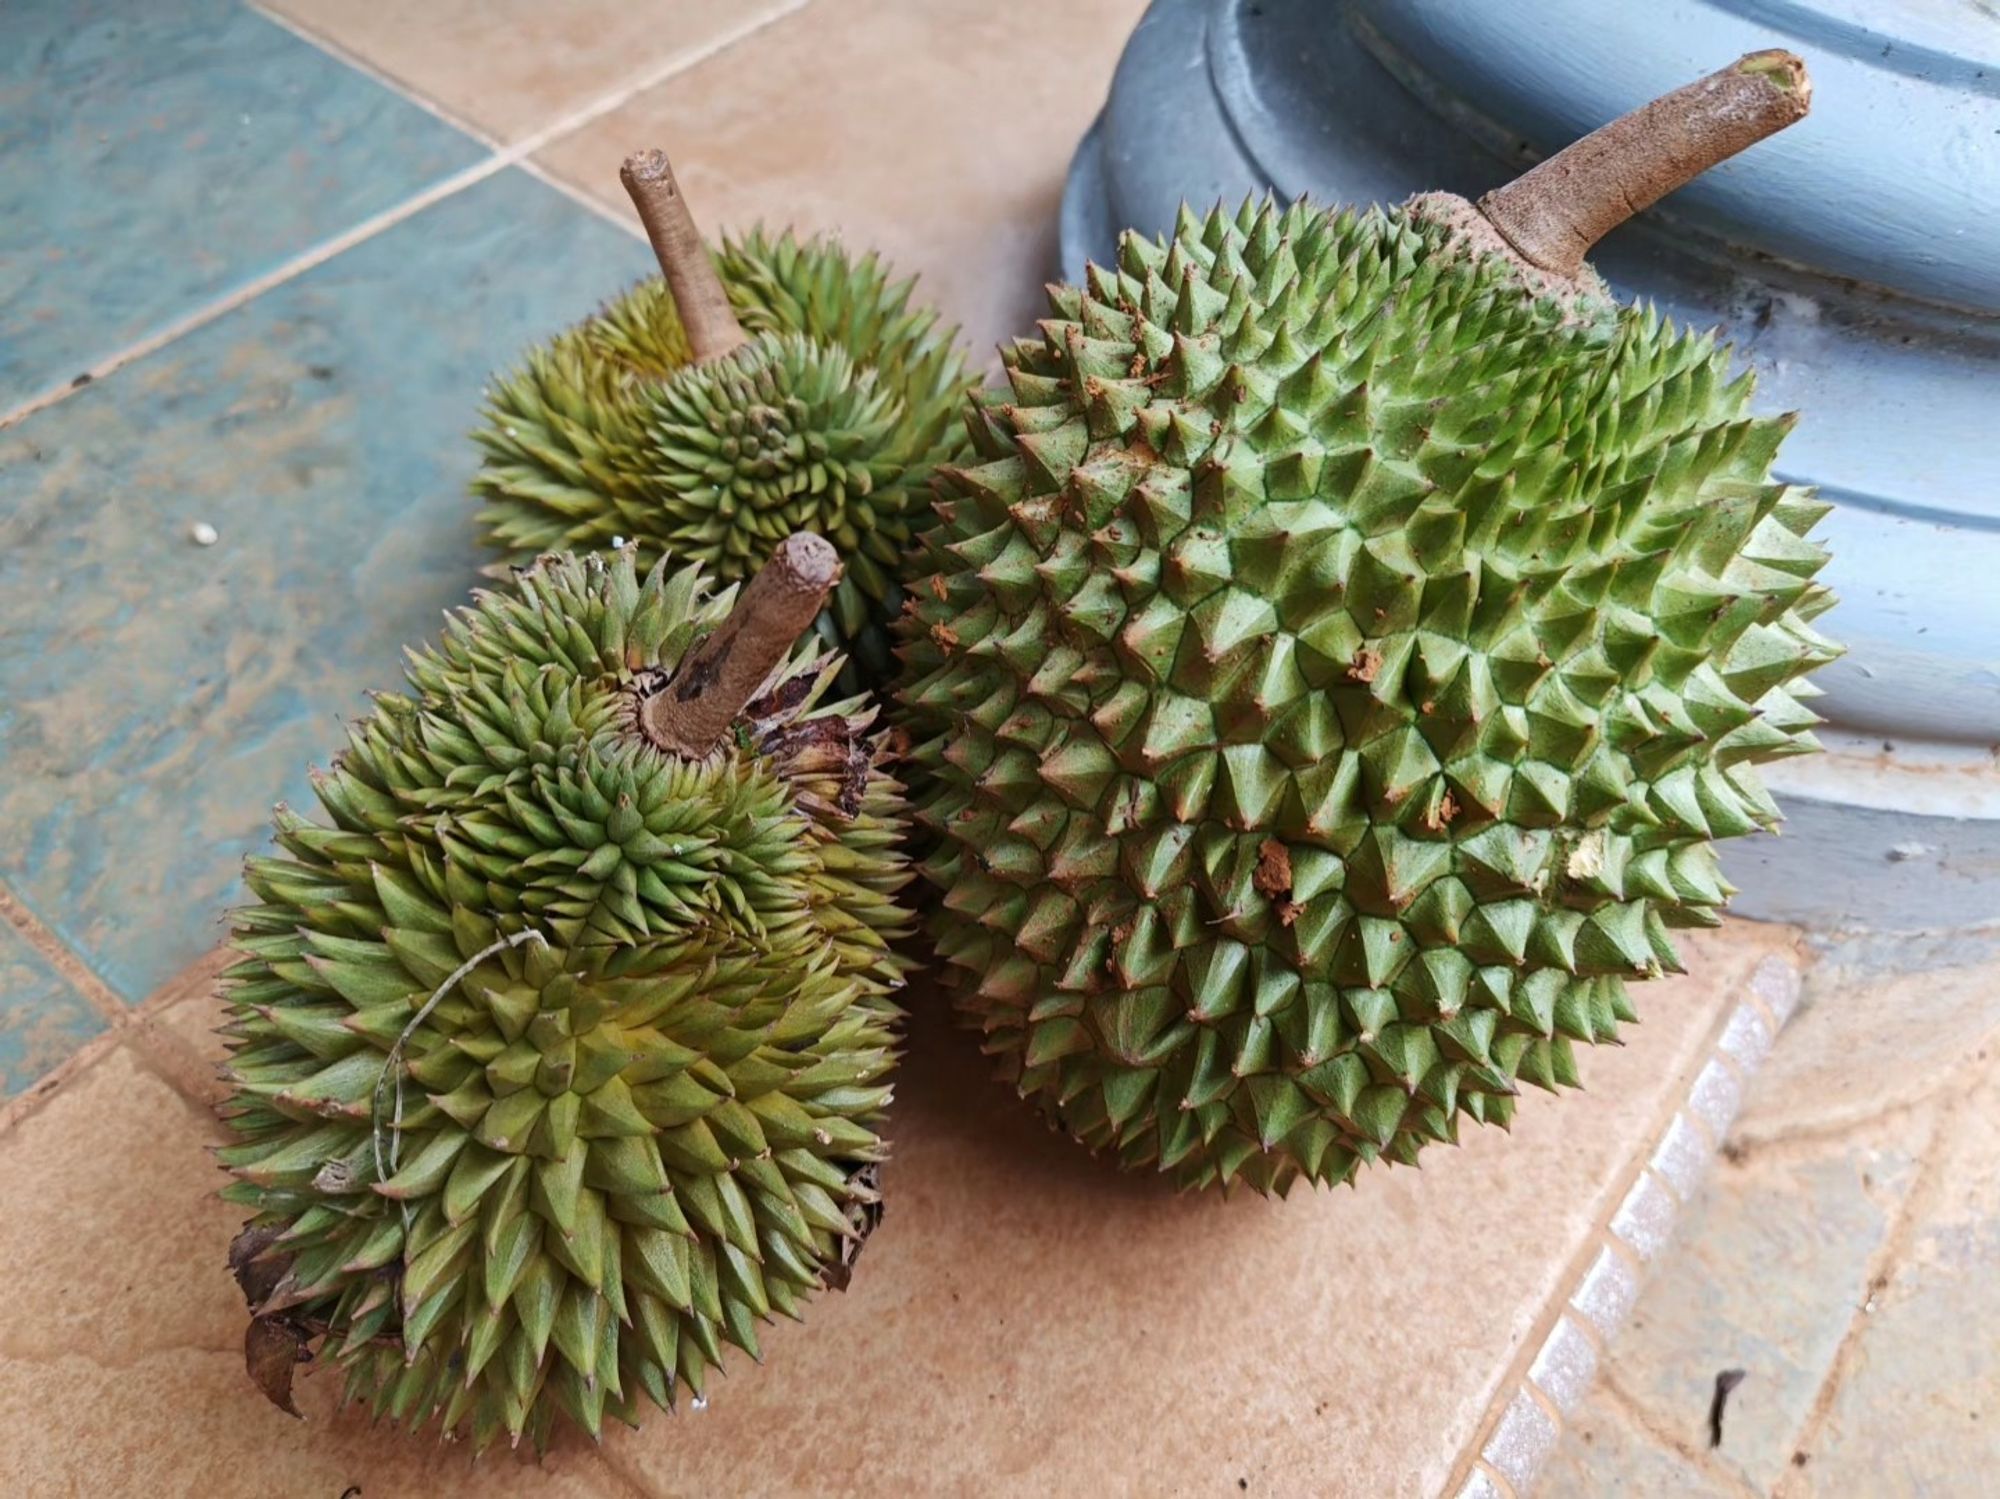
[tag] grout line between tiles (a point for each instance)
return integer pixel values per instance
(583, 199)
(29, 1102)
(313, 37)
(1647, 1424)
(165, 1054)
(1602, 1240)
(315, 255)
(634, 1479)
(1885, 1264)
(298, 265)
(59, 956)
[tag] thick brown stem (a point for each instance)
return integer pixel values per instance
(1553, 214)
(710, 322)
(691, 715)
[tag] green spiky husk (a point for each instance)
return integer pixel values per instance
(1334, 677)
(622, 1145)
(831, 419)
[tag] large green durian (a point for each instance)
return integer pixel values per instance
(830, 418)
(1334, 676)
(557, 1057)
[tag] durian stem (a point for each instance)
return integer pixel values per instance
(710, 321)
(1555, 212)
(691, 715)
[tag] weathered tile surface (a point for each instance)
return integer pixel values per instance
(512, 67)
(156, 697)
(42, 1018)
(1843, 1253)
(934, 131)
(1918, 1411)
(1868, 1040)
(157, 154)
(1606, 1454)
(1770, 1260)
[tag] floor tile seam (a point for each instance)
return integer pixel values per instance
(1787, 1142)
(1601, 1237)
(312, 257)
(1651, 1427)
(582, 197)
(631, 1478)
(1483, 1481)
(1889, 1255)
(388, 218)
(593, 109)
(38, 1094)
(70, 965)
(182, 1070)
(133, 1023)
(1597, 1240)
(323, 41)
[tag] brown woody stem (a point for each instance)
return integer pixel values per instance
(1554, 213)
(692, 714)
(711, 325)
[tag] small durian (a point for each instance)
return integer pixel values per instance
(1336, 671)
(557, 1045)
(770, 388)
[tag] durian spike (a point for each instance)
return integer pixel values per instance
(711, 325)
(691, 715)
(1555, 212)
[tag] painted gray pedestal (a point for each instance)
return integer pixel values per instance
(1854, 261)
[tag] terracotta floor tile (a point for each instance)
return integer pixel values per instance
(1019, 1324)
(512, 67)
(1028, 1322)
(121, 1367)
(936, 131)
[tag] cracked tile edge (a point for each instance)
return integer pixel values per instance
(1608, 1268)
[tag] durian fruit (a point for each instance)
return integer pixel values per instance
(1338, 666)
(558, 1042)
(779, 387)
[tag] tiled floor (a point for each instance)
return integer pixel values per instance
(1845, 1255)
(1025, 1322)
(286, 249)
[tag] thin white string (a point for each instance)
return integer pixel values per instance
(392, 1067)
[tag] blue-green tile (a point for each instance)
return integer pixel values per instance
(156, 697)
(157, 154)
(42, 1019)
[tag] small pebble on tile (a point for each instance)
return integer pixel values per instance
(1564, 1368)
(1645, 1217)
(1521, 1442)
(1606, 1295)
(202, 534)
(1717, 1095)
(1746, 1040)
(1777, 983)
(1682, 1157)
